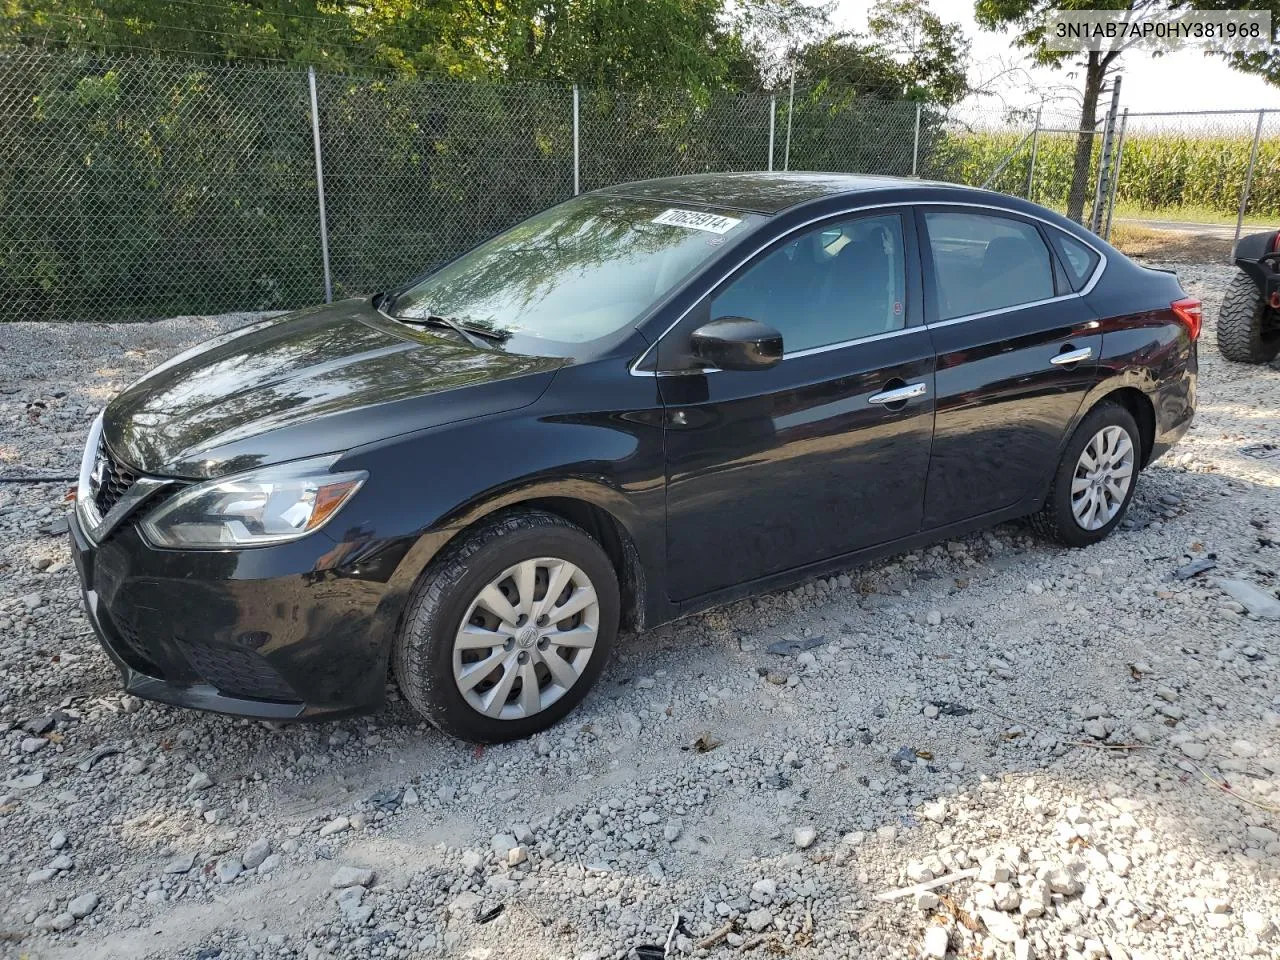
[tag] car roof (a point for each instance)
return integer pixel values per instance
(760, 192)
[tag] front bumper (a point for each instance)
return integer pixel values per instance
(277, 633)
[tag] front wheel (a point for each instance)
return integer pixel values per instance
(1095, 479)
(509, 629)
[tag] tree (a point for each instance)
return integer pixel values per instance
(689, 44)
(775, 31)
(684, 43)
(676, 43)
(843, 60)
(909, 53)
(1265, 63)
(1031, 19)
(933, 55)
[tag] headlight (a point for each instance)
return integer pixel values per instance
(88, 463)
(271, 505)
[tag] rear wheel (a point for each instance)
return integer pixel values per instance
(507, 632)
(1095, 479)
(1244, 331)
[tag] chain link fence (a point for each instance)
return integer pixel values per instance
(1029, 154)
(634, 135)
(135, 188)
(143, 189)
(1215, 167)
(1184, 170)
(415, 172)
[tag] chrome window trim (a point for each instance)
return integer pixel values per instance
(910, 204)
(999, 310)
(808, 352)
(887, 335)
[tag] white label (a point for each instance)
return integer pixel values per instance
(697, 220)
(1161, 31)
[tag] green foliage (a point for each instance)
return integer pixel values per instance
(1163, 171)
(843, 60)
(142, 185)
(92, 209)
(636, 134)
(691, 43)
(837, 128)
(138, 188)
(932, 54)
(418, 171)
(909, 54)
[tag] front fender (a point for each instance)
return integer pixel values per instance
(425, 489)
(1253, 247)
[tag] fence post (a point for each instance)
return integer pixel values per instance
(791, 108)
(324, 226)
(773, 112)
(915, 145)
(1115, 173)
(1035, 143)
(1248, 179)
(577, 170)
(1104, 158)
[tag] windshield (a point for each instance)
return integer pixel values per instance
(576, 272)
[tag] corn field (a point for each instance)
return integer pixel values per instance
(1160, 170)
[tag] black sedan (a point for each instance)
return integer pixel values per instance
(642, 402)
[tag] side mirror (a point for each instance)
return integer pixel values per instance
(736, 343)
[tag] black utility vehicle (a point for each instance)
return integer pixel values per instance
(639, 403)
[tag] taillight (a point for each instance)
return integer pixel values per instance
(1188, 310)
(1275, 242)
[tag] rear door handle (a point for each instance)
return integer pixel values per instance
(1072, 356)
(899, 394)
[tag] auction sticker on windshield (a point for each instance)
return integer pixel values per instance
(697, 220)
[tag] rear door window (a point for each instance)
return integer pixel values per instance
(984, 262)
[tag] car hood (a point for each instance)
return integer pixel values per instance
(322, 380)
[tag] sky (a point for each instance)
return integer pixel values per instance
(1187, 80)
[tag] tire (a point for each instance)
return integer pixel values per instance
(1058, 519)
(1241, 319)
(498, 551)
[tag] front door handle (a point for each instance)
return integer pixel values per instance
(1068, 357)
(899, 394)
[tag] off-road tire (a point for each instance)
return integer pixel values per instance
(1241, 319)
(1056, 521)
(422, 658)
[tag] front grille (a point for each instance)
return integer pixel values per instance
(131, 649)
(238, 673)
(110, 479)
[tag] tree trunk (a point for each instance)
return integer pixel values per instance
(1084, 139)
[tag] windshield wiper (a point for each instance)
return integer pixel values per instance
(476, 336)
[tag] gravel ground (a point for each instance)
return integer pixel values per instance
(1084, 749)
